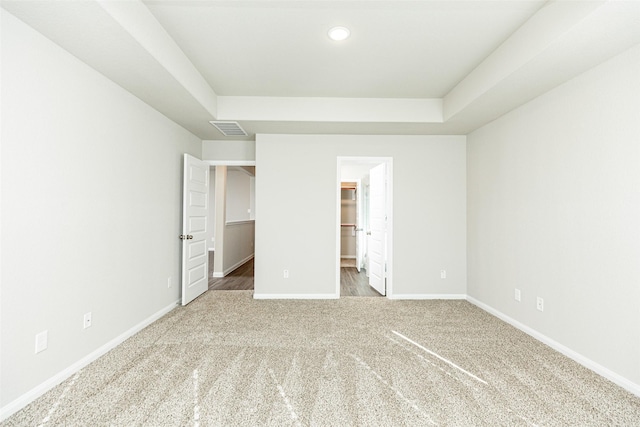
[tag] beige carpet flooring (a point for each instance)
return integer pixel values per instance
(228, 360)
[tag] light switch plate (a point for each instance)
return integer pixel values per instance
(42, 341)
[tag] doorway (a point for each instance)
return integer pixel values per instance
(364, 235)
(232, 235)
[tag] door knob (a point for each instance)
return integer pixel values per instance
(186, 237)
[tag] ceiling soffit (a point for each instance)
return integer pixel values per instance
(131, 43)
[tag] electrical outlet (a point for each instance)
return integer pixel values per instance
(285, 273)
(42, 341)
(443, 274)
(169, 282)
(517, 295)
(540, 304)
(87, 320)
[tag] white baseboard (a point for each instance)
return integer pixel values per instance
(218, 274)
(295, 296)
(238, 264)
(336, 296)
(39, 390)
(44, 387)
(584, 361)
(427, 296)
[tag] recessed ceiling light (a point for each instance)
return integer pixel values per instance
(339, 33)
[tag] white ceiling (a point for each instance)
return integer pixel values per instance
(397, 49)
(409, 67)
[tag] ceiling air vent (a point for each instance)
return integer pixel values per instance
(229, 128)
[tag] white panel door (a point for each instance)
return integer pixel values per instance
(358, 227)
(195, 204)
(378, 227)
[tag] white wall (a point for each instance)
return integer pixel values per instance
(239, 231)
(91, 209)
(211, 230)
(554, 210)
(238, 195)
(252, 200)
(296, 211)
(235, 236)
(238, 244)
(229, 153)
(240, 151)
(353, 172)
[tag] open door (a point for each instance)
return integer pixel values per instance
(378, 227)
(195, 204)
(359, 226)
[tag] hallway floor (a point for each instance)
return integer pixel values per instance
(352, 283)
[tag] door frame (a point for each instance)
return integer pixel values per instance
(373, 161)
(359, 224)
(228, 163)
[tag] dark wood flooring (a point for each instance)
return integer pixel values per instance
(240, 279)
(352, 283)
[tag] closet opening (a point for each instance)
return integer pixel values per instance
(364, 226)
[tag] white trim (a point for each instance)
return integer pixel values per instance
(428, 296)
(338, 222)
(218, 275)
(31, 395)
(230, 162)
(348, 256)
(373, 160)
(237, 264)
(243, 221)
(389, 273)
(584, 361)
(22, 401)
(296, 296)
